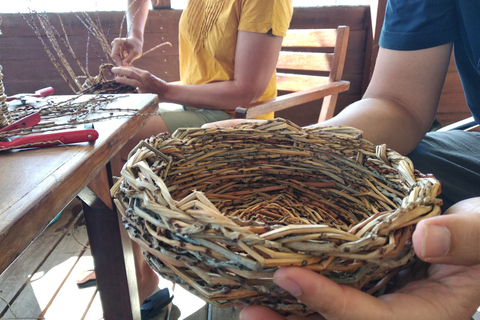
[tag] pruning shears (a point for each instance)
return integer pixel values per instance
(45, 139)
(24, 97)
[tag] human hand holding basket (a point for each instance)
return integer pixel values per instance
(219, 210)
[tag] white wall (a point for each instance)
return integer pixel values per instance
(120, 5)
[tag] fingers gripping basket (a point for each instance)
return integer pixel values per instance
(219, 210)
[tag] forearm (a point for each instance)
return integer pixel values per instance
(383, 121)
(224, 95)
(137, 14)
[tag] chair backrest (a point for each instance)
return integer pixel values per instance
(312, 58)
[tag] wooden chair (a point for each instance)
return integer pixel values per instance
(310, 67)
(467, 124)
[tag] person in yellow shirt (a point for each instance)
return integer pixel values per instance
(228, 50)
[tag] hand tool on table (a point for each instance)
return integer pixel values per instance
(25, 122)
(24, 97)
(44, 139)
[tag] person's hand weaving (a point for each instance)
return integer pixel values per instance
(126, 50)
(144, 81)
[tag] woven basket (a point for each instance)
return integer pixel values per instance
(219, 210)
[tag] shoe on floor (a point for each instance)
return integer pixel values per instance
(150, 307)
(155, 303)
(87, 279)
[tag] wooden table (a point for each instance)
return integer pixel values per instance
(36, 184)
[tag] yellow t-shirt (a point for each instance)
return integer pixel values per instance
(208, 36)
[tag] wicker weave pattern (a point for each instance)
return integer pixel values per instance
(219, 210)
(5, 117)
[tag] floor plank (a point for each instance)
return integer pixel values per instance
(48, 281)
(15, 279)
(71, 300)
(95, 309)
(187, 306)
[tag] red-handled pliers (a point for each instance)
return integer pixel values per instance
(52, 139)
(46, 139)
(25, 122)
(38, 94)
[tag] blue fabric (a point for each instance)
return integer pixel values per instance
(453, 158)
(420, 24)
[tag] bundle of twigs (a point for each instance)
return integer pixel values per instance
(61, 113)
(219, 210)
(108, 87)
(57, 41)
(5, 117)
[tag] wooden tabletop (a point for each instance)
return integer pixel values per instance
(36, 184)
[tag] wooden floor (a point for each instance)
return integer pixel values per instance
(41, 283)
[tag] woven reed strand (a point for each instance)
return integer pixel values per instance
(5, 117)
(219, 210)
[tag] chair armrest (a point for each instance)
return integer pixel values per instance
(465, 124)
(289, 100)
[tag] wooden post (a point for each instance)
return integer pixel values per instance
(377, 13)
(112, 253)
(375, 22)
(161, 4)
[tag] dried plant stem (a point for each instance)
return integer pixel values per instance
(52, 58)
(5, 116)
(68, 114)
(69, 47)
(51, 35)
(97, 32)
(156, 47)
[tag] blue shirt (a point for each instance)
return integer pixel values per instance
(421, 24)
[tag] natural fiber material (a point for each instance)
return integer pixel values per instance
(5, 117)
(108, 87)
(219, 210)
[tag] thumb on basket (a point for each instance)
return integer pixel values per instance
(453, 238)
(331, 300)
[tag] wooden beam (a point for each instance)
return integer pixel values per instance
(377, 13)
(161, 4)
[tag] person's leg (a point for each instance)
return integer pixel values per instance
(453, 158)
(147, 279)
(192, 118)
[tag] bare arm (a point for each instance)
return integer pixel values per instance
(137, 14)
(255, 60)
(402, 97)
(126, 50)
